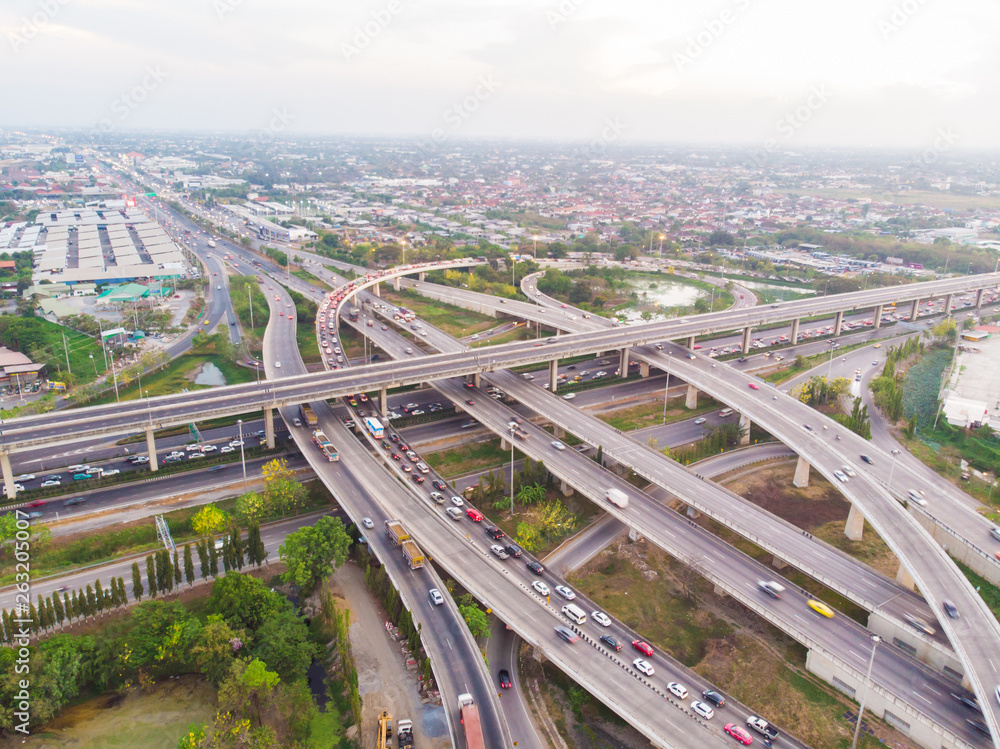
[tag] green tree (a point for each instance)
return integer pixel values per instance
(256, 552)
(151, 580)
(203, 558)
(282, 492)
(136, 582)
(244, 602)
(177, 570)
(236, 548)
(213, 558)
(247, 688)
(209, 521)
(188, 565)
(283, 644)
(476, 619)
(251, 507)
(217, 646)
(311, 552)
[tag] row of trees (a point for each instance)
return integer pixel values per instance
(887, 388)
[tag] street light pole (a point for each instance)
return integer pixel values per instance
(864, 695)
(114, 375)
(94, 363)
(666, 389)
(892, 466)
(243, 460)
(511, 427)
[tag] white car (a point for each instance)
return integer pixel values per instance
(601, 618)
(51, 482)
(841, 476)
(849, 471)
(700, 420)
(25, 477)
(436, 598)
(77, 468)
(558, 445)
(499, 552)
(367, 523)
(17, 488)
(565, 592)
(193, 448)
(541, 587)
(277, 364)
(457, 501)
(454, 513)
(236, 443)
(227, 449)
(642, 666)
(703, 710)
(110, 472)
(677, 690)
(209, 449)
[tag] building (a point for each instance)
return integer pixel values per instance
(16, 368)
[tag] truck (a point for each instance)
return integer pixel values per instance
(762, 727)
(374, 427)
(772, 588)
(470, 722)
(325, 446)
(404, 734)
(308, 415)
(353, 313)
(398, 536)
(413, 555)
(616, 497)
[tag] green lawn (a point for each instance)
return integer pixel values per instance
(78, 346)
(305, 336)
(648, 414)
(307, 276)
(173, 378)
(468, 458)
(452, 320)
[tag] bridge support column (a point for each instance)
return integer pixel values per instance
(878, 317)
(150, 448)
(553, 375)
(269, 427)
(420, 276)
(565, 488)
(746, 340)
(558, 431)
(395, 283)
(795, 331)
(692, 513)
(504, 444)
(838, 323)
(623, 364)
(745, 427)
(8, 475)
(979, 299)
(476, 378)
(914, 308)
(855, 524)
(377, 290)
(801, 478)
(690, 343)
(383, 400)
(643, 369)
(947, 305)
(691, 399)
(904, 578)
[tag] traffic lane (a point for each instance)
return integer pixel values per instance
(502, 651)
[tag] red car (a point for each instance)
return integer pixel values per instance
(739, 734)
(475, 515)
(642, 647)
(418, 478)
(753, 386)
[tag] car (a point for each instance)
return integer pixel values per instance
(565, 592)
(51, 482)
(475, 515)
(643, 667)
(702, 710)
(690, 356)
(81, 476)
(875, 363)
(417, 478)
(753, 386)
(968, 700)
(25, 477)
(849, 471)
(514, 550)
(457, 501)
(367, 523)
(277, 364)
(493, 532)
(677, 690)
(454, 513)
(867, 459)
(438, 497)
(74, 501)
(643, 647)
(952, 611)
(700, 420)
(917, 623)
(808, 428)
(436, 598)
(541, 587)
(173, 459)
(36, 514)
(558, 445)
(536, 567)
(406, 467)
(841, 476)
(504, 678)
(611, 642)
(227, 449)
(195, 456)
(209, 449)
(439, 484)
(820, 608)
(565, 632)
(110, 472)
(78, 468)
(601, 618)
(499, 552)
(710, 695)
(739, 733)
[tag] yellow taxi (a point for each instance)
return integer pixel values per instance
(820, 608)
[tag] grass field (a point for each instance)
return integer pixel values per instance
(518, 334)
(78, 346)
(934, 199)
(648, 414)
(305, 337)
(307, 276)
(468, 458)
(176, 377)
(453, 320)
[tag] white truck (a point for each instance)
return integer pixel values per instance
(762, 727)
(770, 587)
(616, 497)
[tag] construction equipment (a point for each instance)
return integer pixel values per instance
(384, 731)
(404, 734)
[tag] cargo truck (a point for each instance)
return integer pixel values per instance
(616, 497)
(374, 427)
(413, 555)
(324, 444)
(399, 537)
(397, 534)
(470, 722)
(404, 734)
(308, 415)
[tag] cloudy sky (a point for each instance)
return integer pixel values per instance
(795, 72)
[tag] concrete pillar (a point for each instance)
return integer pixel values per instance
(558, 431)
(801, 479)
(420, 276)
(565, 488)
(8, 475)
(778, 564)
(838, 323)
(692, 513)
(504, 444)
(719, 591)
(476, 378)
(904, 578)
(383, 400)
(643, 369)
(395, 283)
(878, 317)
(947, 305)
(377, 291)
(269, 427)
(623, 363)
(746, 340)
(553, 375)
(151, 449)
(979, 299)
(690, 343)
(913, 309)
(745, 425)
(691, 399)
(795, 331)
(855, 524)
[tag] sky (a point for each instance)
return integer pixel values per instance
(765, 74)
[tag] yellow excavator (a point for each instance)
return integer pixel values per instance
(384, 731)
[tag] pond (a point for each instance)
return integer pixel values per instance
(659, 296)
(210, 375)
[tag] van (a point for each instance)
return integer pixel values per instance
(574, 613)
(726, 412)
(916, 498)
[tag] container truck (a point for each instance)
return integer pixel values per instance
(616, 497)
(374, 427)
(308, 415)
(470, 722)
(413, 555)
(324, 444)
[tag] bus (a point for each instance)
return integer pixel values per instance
(353, 313)
(374, 427)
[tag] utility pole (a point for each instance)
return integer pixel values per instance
(66, 351)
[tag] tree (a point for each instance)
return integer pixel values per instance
(236, 548)
(122, 593)
(282, 492)
(256, 553)
(311, 552)
(202, 558)
(213, 558)
(91, 600)
(476, 618)
(244, 601)
(59, 611)
(151, 575)
(67, 607)
(188, 566)
(136, 582)
(529, 495)
(217, 646)
(251, 507)
(283, 644)
(209, 521)
(247, 687)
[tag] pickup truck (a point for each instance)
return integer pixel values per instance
(762, 727)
